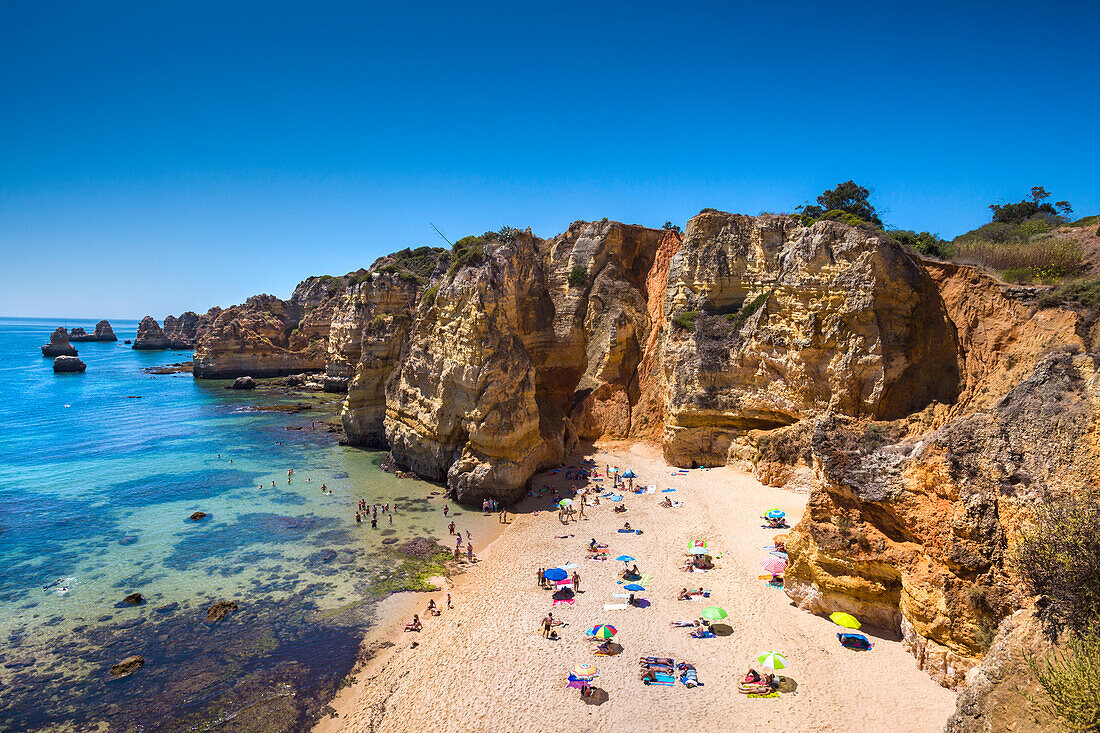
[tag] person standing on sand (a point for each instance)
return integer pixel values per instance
(503, 516)
(470, 552)
(576, 582)
(540, 578)
(547, 622)
(449, 601)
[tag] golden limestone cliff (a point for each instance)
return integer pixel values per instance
(774, 322)
(915, 533)
(925, 406)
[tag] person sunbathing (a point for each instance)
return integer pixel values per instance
(415, 624)
(685, 595)
(432, 608)
(620, 508)
(683, 624)
(752, 677)
(703, 632)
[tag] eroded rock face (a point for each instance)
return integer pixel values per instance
(270, 337)
(996, 698)
(913, 536)
(465, 405)
(59, 344)
(365, 343)
(773, 322)
(150, 336)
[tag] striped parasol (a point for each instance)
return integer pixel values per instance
(772, 660)
(603, 631)
(774, 565)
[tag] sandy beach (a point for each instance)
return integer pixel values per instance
(484, 665)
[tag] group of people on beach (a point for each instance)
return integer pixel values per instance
(363, 511)
(434, 609)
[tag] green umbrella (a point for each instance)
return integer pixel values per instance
(714, 613)
(772, 660)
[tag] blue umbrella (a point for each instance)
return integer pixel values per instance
(775, 514)
(616, 497)
(633, 587)
(630, 474)
(556, 574)
(625, 558)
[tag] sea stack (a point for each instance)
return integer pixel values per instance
(59, 344)
(103, 332)
(68, 365)
(149, 335)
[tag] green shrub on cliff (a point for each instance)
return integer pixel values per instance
(924, 243)
(429, 295)
(1070, 681)
(685, 320)
(1085, 292)
(578, 277)
(1059, 561)
(747, 309)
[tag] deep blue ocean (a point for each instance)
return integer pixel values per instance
(99, 474)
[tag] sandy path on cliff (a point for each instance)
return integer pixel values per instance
(484, 666)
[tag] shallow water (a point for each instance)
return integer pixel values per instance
(99, 473)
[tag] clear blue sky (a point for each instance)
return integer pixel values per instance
(163, 156)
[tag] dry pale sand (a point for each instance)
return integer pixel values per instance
(484, 665)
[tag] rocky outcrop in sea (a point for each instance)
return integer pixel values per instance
(180, 333)
(68, 365)
(103, 332)
(59, 344)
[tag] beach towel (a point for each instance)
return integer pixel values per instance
(666, 680)
(627, 531)
(598, 557)
(645, 579)
(568, 566)
(565, 601)
(620, 595)
(614, 606)
(651, 490)
(665, 491)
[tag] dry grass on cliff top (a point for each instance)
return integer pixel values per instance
(483, 666)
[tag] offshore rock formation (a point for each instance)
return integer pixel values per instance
(178, 333)
(914, 535)
(149, 335)
(780, 322)
(103, 332)
(59, 344)
(68, 365)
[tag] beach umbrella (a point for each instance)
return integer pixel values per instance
(584, 671)
(633, 587)
(774, 565)
(698, 543)
(556, 574)
(775, 514)
(772, 660)
(714, 613)
(846, 620)
(603, 631)
(697, 550)
(565, 503)
(780, 539)
(630, 474)
(625, 558)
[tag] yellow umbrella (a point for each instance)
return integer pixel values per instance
(846, 620)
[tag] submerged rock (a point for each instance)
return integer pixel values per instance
(243, 383)
(220, 610)
(128, 666)
(68, 365)
(134, 599)
(198, 516)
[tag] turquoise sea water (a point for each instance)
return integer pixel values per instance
(99, 473)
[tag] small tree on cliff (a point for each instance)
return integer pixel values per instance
(1035, 208)
(848, 197)
(669, 226)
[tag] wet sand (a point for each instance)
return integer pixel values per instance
(484, 666)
